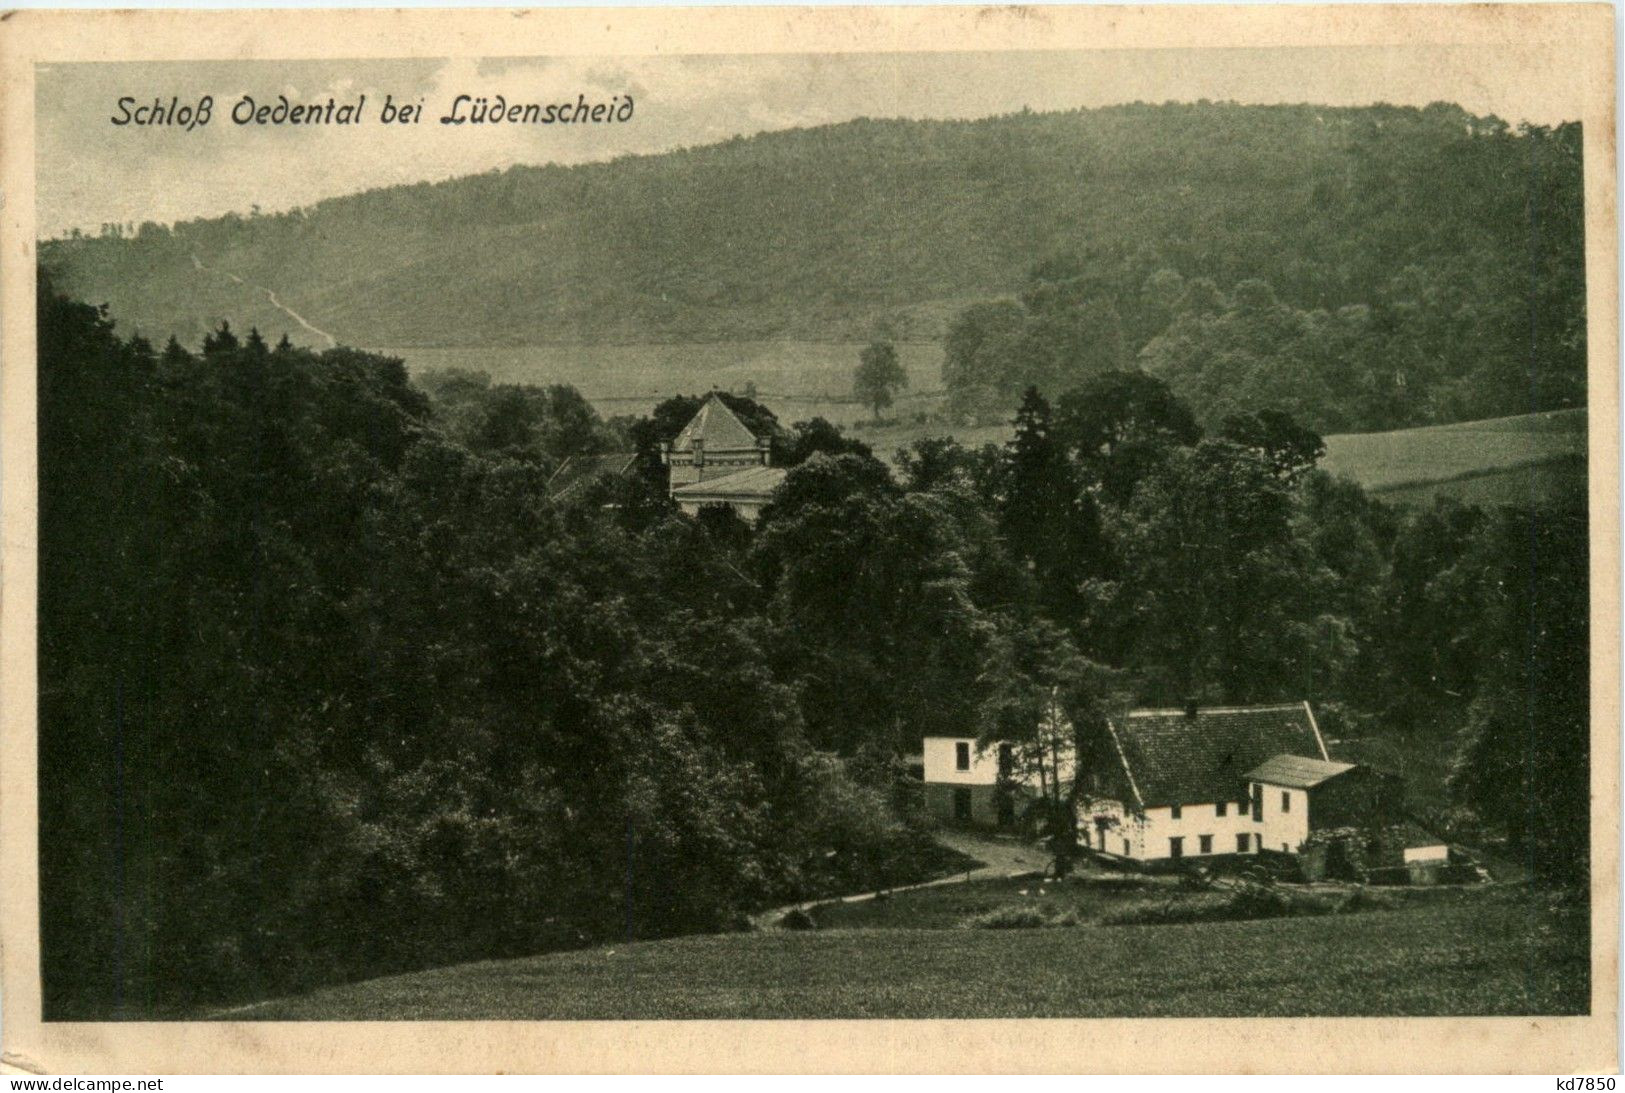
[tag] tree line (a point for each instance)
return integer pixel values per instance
(329, 687)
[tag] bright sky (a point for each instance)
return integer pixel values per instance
(90, 171)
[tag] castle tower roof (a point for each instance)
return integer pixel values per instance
(718, 427)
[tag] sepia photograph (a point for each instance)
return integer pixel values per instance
(797, 534)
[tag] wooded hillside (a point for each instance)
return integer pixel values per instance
(894, 227)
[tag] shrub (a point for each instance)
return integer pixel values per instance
(1011, 916)
(1259, 901)
(1247, 901)
(1015, 916)
(1195, 879)
(1365, 899)
(1165, 912)
(798, 919)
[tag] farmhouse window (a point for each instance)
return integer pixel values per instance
(1007, 760)
(1286, 801)
(962, 804)
(1205, 843)
(1176, 847)
(1125, 848)
(962, 755)
(1241, 843)
(1174, 812)
(1222, 808)
(1258, 802)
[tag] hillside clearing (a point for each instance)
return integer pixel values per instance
(1438, 453)
(1497, 954)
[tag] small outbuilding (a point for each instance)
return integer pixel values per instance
(1294, 795)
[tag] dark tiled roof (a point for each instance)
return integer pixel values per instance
(1296, 771)
(752, 482)
(1172, 758)
(718, 426)
(579, 470)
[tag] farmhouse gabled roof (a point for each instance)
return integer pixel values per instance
(718, 426)
(1296, 771)
(752, 482)
(578, 470)
(1173, 757)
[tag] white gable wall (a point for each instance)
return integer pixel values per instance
(940, 753)
(941, 766)
(1282, 827)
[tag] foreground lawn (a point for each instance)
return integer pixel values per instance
(1495, 953)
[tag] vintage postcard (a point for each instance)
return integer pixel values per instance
(839, 539)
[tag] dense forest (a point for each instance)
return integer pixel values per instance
(1373, 267)
(329, 687)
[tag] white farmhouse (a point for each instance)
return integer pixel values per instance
(1205, 782)
(1159, 786)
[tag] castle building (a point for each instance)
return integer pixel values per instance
(717, 460)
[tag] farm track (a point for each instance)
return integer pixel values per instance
(998, 858)
(271, 298)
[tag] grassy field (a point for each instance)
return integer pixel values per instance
(799, 380)
(1493, 951)
(1561, 481)
(1458, 453)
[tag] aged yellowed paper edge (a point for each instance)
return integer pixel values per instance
(1514, 32)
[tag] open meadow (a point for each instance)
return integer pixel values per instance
(797, 380)
(1503, 460)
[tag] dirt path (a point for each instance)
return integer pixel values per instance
(997, 858)
(271, 297)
